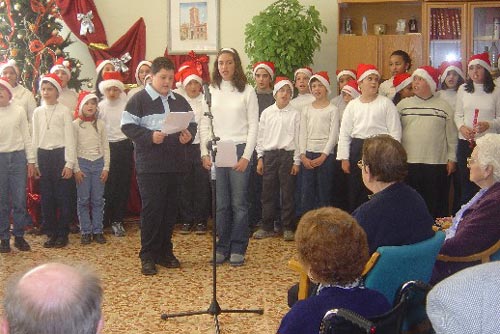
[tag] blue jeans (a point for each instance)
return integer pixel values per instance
(90, 196)
(232, 208)
(317, 184)
(13, 173)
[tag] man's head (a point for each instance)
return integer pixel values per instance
(53, 298)
(162, 73)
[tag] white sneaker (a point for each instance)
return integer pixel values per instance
(118, 229)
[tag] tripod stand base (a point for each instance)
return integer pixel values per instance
(214, 309)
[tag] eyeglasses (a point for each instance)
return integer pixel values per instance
(361, 164)
(471, 160)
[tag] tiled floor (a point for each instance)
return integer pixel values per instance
(134, 303)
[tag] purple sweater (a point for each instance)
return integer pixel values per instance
(305, 316)
(478, 231)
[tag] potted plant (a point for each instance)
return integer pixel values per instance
(286, 33)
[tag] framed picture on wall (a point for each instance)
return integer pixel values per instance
(193, 25)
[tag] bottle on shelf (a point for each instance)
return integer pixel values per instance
(493, 53)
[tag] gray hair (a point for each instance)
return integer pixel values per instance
(489, 153)
(79, 312)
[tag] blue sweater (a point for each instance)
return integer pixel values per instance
(305, 316)
(395, 216)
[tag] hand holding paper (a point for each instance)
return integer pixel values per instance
(176, 122)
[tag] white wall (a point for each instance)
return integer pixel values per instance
(118, 15)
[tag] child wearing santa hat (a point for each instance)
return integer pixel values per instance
(68, 97)
(343, 76)
(91, 167)
(102, 66)
(121, 150)
(403, 86)
(368, 115)
(194, 194)
(430, 140)
(141, 71)
(54, 161)
(350, 91)
(17, 159)
(278, 160)
(21, 96)
(304, 97)
(478, 93)
(399, 62)
(451, 77)
(319, 132)
(263, 74)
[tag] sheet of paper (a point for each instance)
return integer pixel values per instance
(177, 121)
(226, 154)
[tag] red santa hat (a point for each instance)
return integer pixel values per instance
(61, 64)
(281, 82)
(267, 65)
(111, 79)
(482, 59)
(447, 66)
(401, 80)
(188, 75)
(429, 74)
(53, 79)
(352, 89)
(341, 73)
(5, 83)
(306, 70)
(365, 70)
(185, 65)
(137, 69)
(323, 78)
(101, 63)
(83, 98)
(9, 63)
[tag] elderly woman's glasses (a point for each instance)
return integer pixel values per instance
(361, 164)
(471, 160)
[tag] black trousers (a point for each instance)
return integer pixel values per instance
(159, 193)
(195, 189)
(431, 182)
(277, 167)
(117, 186)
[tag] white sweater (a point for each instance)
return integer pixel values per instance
(91, 144)
(363, 120)
(236, 117)
(302, 100)
(319, 129)
(387, 88)
(14, 131)
(199, 107)
(25, 99)
(488, 105)
(111, 113)
(52, 128)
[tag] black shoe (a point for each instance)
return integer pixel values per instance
(200, 229)
(5, 246)
(86, 239)
(51, 242)
(185, 229)
(21, 244)
(74, 229)
(169, 262)
(61, 241)
(148, 267)
(99, 238)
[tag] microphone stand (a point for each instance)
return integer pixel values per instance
(214, 309)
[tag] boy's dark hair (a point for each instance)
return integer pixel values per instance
(488, 86)
(160, 63)
(396, 98)
(403, 54)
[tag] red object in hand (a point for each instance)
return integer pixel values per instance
(472, 142)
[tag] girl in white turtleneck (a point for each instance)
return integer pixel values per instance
(235, 112)
(478, 92)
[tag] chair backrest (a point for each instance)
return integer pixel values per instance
(399, 264)
(343, 321)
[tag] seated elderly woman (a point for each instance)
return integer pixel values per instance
(476, 225)
(396, 214)
(333, 249)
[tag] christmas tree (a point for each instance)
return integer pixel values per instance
(30, 34)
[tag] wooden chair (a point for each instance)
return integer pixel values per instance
(490, 254)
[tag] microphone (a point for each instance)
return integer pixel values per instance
(208, 96)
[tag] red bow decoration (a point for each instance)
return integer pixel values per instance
(198, 61)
